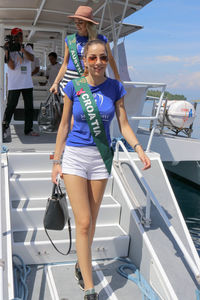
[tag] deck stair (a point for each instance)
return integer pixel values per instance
(29, 187)
(159, 237)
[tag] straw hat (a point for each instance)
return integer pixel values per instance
(84, 13)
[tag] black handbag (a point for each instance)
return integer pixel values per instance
(57, 215)
(50, 114)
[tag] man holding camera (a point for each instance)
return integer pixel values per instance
(18, 58)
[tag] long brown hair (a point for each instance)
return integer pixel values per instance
(92, 31)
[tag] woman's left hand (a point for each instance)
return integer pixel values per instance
(56, 170)
(144, 159)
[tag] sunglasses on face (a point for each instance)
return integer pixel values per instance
(78, 22)
(93, 59)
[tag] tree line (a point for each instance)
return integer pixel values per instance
(168, 95)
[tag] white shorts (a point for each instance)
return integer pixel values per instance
(85, 162)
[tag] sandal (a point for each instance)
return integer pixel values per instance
(79, 276)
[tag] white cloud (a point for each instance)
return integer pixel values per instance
(131, 68)
(193, 60)
(186, 83)
(190, 80)
(134, 73)
(187, 61)
(168, 58)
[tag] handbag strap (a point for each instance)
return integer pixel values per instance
(56, 98)
(56, 187)
(70, 239)
(59, 191)
(52, 98)
(48, 99)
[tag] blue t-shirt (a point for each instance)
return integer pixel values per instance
(80, 42)
(105, 95)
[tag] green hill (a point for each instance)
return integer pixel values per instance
(168, 95)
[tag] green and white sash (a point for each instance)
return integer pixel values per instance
(73, 53)
(94, 120)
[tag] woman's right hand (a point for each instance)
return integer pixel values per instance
(54, 88)
(144, 158)
(56, 170)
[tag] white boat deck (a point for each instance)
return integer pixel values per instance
(21, 142)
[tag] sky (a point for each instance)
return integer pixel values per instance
(167, 49)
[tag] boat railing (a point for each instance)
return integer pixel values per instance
(146, 220)
(153, 118)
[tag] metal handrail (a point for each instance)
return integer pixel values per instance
(151, 197)
(154, 119)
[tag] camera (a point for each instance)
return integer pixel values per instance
(12, 45)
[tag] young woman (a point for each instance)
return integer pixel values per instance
(86, 30)
(83, 169)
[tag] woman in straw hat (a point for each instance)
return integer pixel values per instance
(87, 159)
(86, 30)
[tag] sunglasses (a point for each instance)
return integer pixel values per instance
(93, 59)
(78, 22)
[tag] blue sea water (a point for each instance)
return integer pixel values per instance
(188, 196)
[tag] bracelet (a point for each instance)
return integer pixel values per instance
(56, 162)
(136, 146)
(55, 83)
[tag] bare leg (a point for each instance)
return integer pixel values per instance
(85, 198)
(96, 190)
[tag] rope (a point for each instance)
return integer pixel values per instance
(20, 272)
(4, 149)
(147, 291)
(198, 294)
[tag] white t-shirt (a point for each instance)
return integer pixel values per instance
(35, 64)
(20, 77)
(52, 72)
